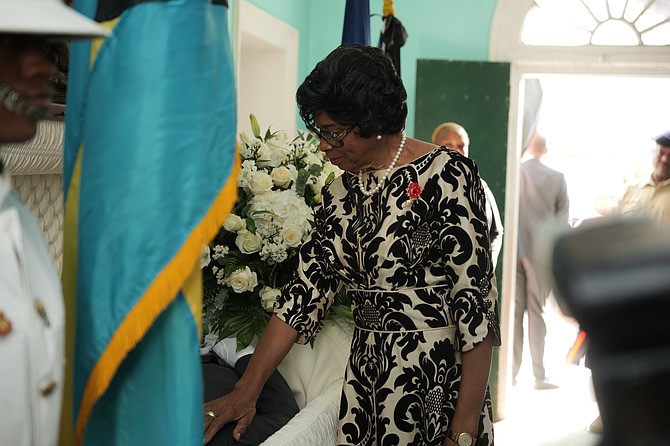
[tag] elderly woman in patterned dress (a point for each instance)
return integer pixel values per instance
(404, 231)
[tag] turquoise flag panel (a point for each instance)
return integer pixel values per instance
(137, 409)
(157, 127)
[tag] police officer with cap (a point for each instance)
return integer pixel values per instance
(652, 197)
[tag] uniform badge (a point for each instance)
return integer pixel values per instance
(5, 325)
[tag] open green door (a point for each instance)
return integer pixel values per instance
(475, 95)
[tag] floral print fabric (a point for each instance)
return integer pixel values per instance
(422, 288)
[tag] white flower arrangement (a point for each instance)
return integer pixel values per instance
(255, 252)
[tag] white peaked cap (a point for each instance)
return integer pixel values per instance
(51, 18)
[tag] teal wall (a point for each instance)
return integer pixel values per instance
(437, 29)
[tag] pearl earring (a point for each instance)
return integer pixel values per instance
(379, 137)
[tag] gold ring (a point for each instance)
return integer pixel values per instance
(211, 414)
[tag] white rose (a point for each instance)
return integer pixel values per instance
(292, 236)
(269, 297)
(281, 138)
(267, 156)
(248, 242)
(261, 183)
(327, 170)
(282, 176)
(242, 280)
(234, 223)
(280, 149)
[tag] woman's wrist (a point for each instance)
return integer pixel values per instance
(249, 387)
(462, 423)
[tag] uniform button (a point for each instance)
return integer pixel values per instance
(5, 325)
(47, 387)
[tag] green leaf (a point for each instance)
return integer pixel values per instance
(245, 336)
(301, 182)
(315, 169)
(245, 210)
(232, 265)
(343, 311)
(255, 128)
(251, 224)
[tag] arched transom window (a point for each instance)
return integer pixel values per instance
(597, 22)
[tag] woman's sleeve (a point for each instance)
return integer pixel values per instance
(475, 293)
(306, 299)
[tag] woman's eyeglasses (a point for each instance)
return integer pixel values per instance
(334, 139)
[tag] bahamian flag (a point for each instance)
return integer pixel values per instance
(150, 174)
(356, 22)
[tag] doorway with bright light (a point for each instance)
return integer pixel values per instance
(599, 132)
(602, 104)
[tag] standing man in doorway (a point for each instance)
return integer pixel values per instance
(454, 137)
(543, 197)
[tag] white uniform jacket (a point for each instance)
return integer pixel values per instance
(32, 319)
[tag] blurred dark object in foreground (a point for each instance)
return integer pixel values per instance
(613, 276)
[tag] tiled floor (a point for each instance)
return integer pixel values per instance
(551, 417)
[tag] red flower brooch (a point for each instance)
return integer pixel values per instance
(413, 190)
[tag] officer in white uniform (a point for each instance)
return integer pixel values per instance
(32, 314)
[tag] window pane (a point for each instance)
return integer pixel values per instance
(570, 11)
(649, 19)
(657, 36)
(616, 8)
(633, 10)
(598, 8)
(615, 32)
(597, 22)
(541, 28)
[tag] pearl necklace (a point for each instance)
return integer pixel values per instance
(388, 170)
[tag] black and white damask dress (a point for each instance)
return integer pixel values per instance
(420, 278)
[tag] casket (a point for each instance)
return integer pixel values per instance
(315, 376)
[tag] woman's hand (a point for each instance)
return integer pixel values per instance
(238, 406)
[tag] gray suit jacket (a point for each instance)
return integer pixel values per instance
(543, 197)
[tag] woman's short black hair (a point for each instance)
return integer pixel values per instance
(356, 85)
